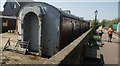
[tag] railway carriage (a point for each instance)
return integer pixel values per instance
(48, 28)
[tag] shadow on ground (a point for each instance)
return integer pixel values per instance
(94, 61)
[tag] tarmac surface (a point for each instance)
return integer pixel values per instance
(110, 50)
(107, 55)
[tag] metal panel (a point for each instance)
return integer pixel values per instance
(49, 27)
(50, 30)
(31, 31)
(66, 31)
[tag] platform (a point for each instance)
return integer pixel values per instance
(105, 55)
(110, 49)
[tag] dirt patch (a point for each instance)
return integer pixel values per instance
(9, 57)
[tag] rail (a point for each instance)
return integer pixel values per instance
(73, 53)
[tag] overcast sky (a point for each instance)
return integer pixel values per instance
(107, 9)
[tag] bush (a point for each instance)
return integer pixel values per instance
(96, 38)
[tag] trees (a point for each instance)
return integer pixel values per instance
(94, 24)
(105, 22)
(113, 21)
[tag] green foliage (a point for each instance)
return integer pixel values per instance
(118, 20)
(105, 23)
(94, 24)
(114, 21)
(108, 23)
(96, 37)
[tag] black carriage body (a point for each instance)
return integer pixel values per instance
(55, 28)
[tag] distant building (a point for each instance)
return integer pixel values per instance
(8, 24)
(118, 27)
(8, 17)
(11, 7)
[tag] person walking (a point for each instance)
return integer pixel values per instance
(100, 32)
(110, 33)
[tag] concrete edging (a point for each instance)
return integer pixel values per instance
(72, 53)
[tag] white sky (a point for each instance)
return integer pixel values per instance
(86, 11)
(2, 2)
